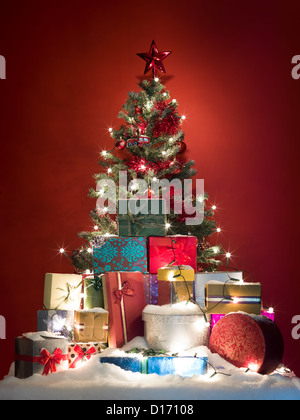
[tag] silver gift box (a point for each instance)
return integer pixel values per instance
(175, 332)
(202, 278)
(57, 321)
(30, 345)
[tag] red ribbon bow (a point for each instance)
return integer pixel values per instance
(126, 290)
(82, 354)
(49, 361)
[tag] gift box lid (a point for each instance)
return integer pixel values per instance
(41, 336)
(176, 273)
(232, 297)
(240, 288)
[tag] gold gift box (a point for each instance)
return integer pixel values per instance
(176, 273)
(223, 298)
(91, 325)
(175, 284)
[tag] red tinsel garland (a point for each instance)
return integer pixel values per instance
(170, 124)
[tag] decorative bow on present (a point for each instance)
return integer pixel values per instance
(82, 355)
(69, 294)
(49, 361)
(126, 290)
(95, 282)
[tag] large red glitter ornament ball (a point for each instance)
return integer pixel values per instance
(182, 147)
(120, 144)
(248, 341)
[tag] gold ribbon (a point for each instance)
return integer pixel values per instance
(122, 308)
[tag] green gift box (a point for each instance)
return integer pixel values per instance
(149, 220)
(93, 292)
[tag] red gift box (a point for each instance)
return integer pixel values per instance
(177, 249)
(124, 299)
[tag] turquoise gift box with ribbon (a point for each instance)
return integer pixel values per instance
(120, 254)
(185, 366)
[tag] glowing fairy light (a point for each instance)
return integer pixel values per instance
(228, 255)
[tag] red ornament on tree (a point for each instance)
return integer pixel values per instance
(120, 144)
(182, 147)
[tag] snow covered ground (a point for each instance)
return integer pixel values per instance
(95, 381)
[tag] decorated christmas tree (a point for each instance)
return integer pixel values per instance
(149, 146)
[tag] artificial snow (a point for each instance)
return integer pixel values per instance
(96, 381)
(180, 308)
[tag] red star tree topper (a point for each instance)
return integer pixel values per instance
(154, 59)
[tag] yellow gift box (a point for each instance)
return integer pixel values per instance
(91, 325)
(175, 284)
(223, 298)
(176, 273)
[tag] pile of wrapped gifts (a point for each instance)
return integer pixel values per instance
(145, 283)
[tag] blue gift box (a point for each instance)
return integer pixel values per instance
(185, 366)
(121, 254)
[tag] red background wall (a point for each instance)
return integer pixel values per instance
(70, 66)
